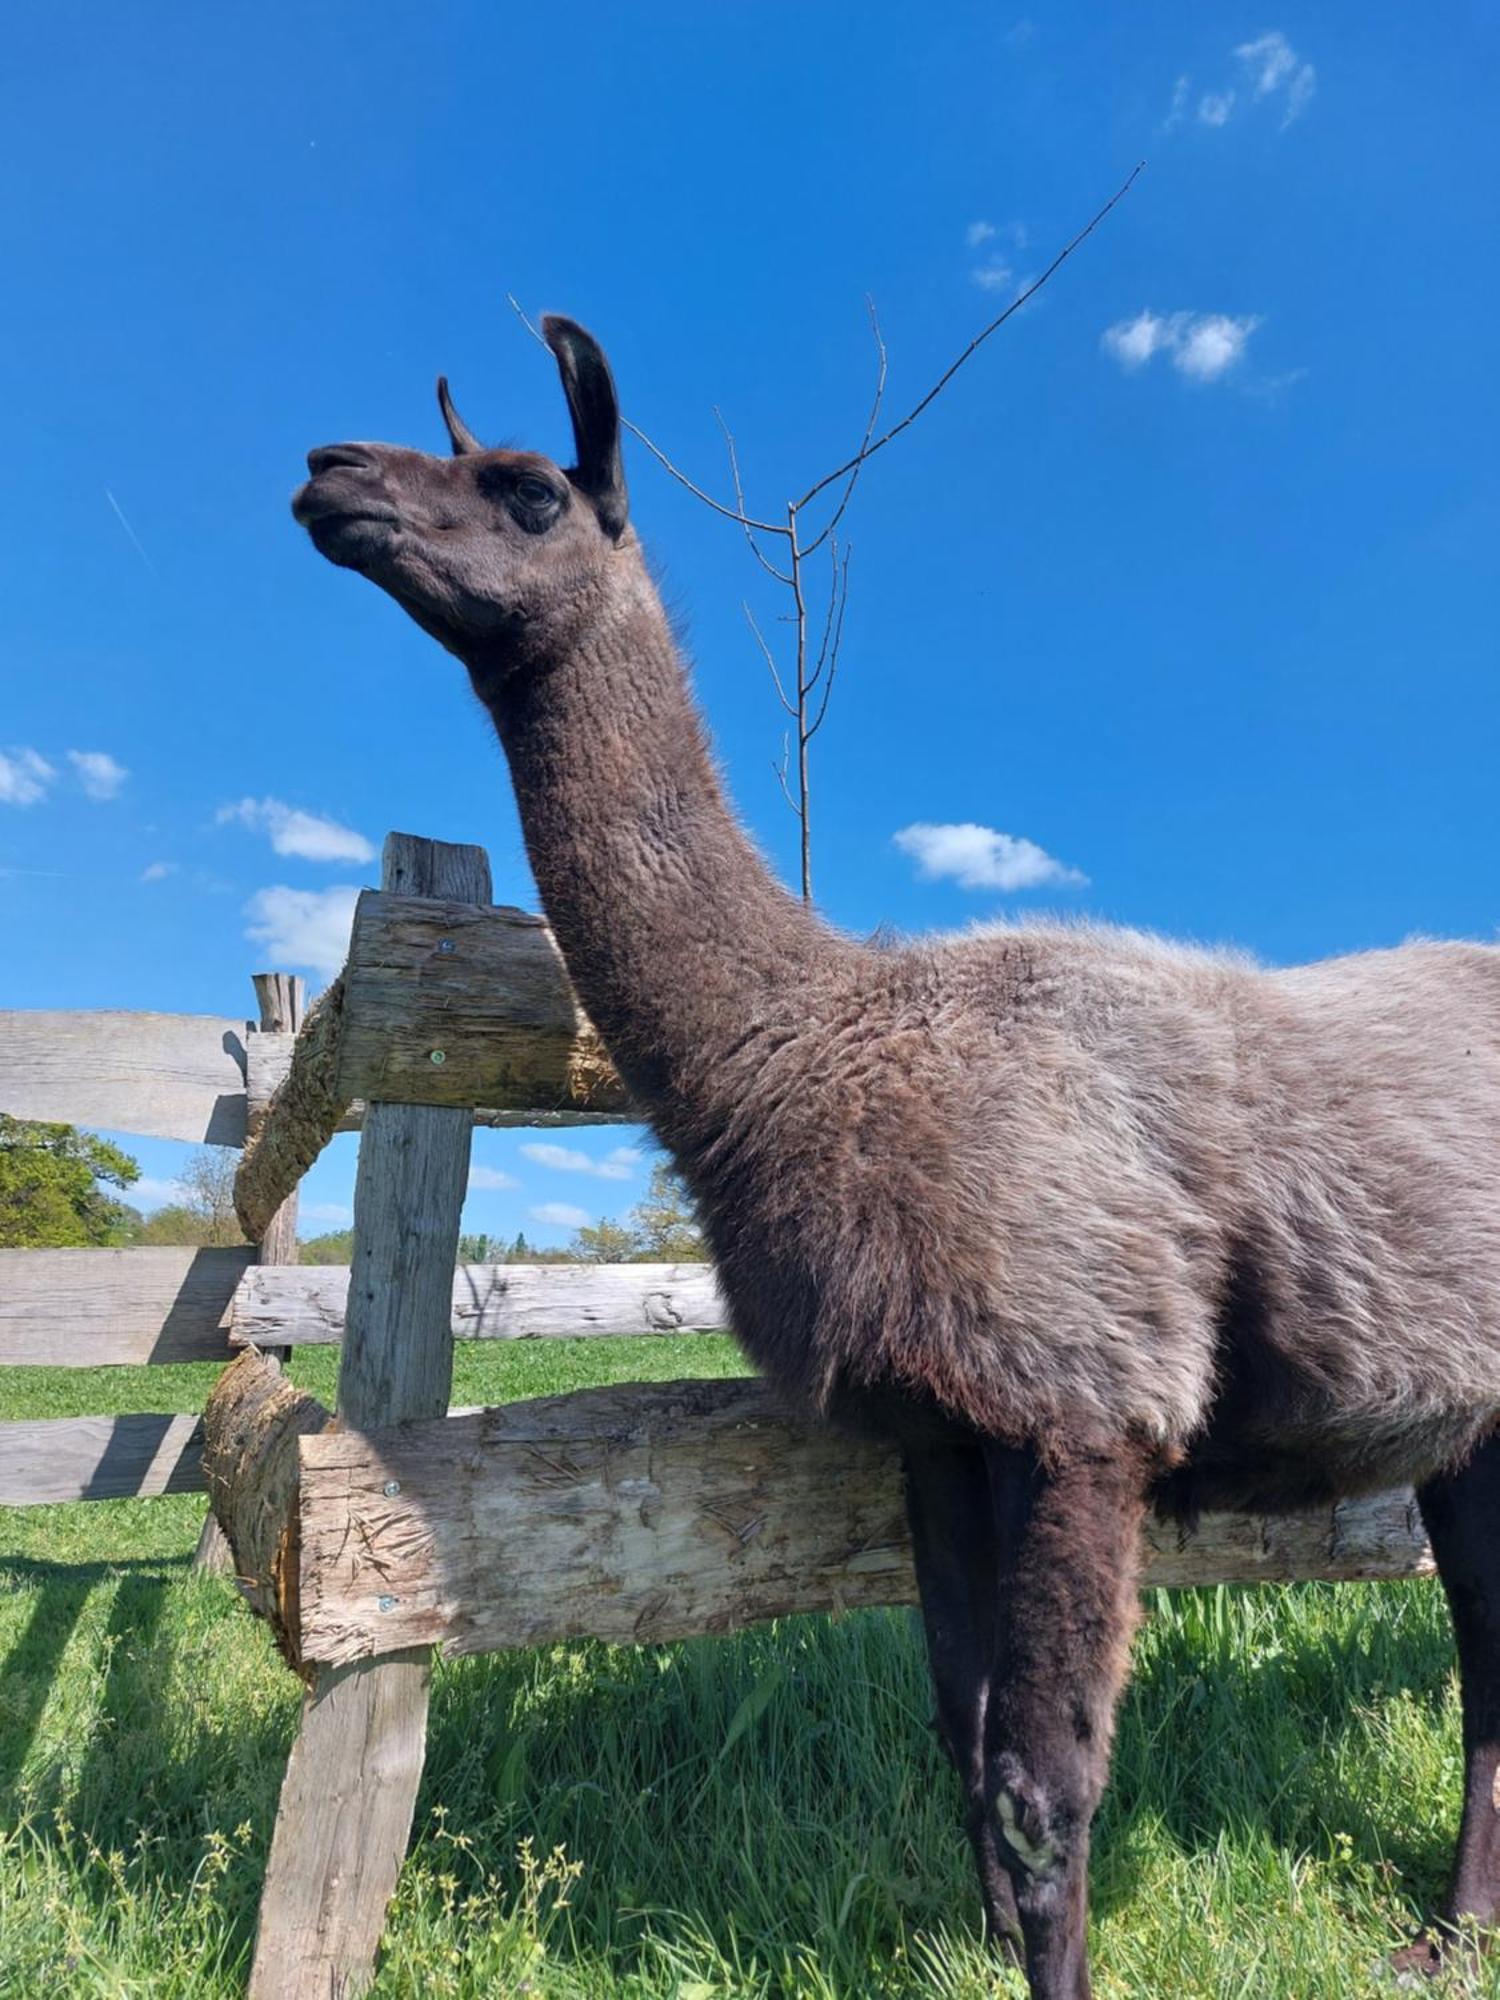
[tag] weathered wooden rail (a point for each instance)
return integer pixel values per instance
(372, 1535)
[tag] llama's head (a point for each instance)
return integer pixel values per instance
(498, 554)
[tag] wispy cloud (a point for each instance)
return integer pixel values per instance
(978, 857)
(995, 245)
(135, 540)
(487, 1179)
(24, 777)
(150, 1193)
(559, 1215)
(292, 831)
(619, 1165)
(1202, 346)
(100, 775)
(1271, 73)
(336, 1214)
(158, 871)
(303, 926)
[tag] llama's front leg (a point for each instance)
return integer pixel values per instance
(1067, 1540)
(953, 1541)
(1461, 1511)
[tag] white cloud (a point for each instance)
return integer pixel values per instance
(487, 1178)
(1203, 346)
(977, 233)
(618, 1165)
(1133, 341)
(99, 773)
(158, 871)
(24, 777)
(977, 857)
(1270, 61)
(148, 1193)
(1271, 70)
(994, 276)
(1211, 344)
(303, 926)
(337, 1214)
(293, 831)
(559, 1215)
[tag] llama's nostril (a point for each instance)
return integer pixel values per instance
(326, 456)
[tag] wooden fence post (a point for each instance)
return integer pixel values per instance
(281, 997)
(351, 1781)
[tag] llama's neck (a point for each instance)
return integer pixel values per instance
(676, 937)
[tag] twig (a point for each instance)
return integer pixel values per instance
(869, 451)
(864, 447)
(768, 656)
(739, 501)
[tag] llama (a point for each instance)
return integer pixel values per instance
(1083, 1222)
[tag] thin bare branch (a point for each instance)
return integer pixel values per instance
(781, 770)
(833, 603)
(977, 342)
(833, 654)
(739, 501)
(768, 656)
(864, 445)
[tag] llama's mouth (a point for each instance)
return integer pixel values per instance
(346, 527)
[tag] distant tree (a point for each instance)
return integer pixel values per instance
(660, 1229)
(205, 1215)
(666, 1223)
(49, 1192)
(335, 1247)
(476, 1249)
(605, 1242)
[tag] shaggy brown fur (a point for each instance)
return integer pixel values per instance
(1070, 1211)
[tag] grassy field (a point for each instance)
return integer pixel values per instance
(765, 1815)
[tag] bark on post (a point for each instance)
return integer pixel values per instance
(351, 1781)
(280, 997)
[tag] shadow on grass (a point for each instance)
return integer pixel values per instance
(168, 1765)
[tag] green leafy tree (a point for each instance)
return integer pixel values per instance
(334, 1247)
(605, 1242)
(50, 1197)
(666, 1223)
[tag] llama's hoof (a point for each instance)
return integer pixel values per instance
(1416, 1964)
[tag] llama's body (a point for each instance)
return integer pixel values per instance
(1081, 1220)
(1082, 1187)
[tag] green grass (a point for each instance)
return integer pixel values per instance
(765, 1815)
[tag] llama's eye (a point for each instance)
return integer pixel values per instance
(534, 493)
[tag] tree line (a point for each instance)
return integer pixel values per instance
(61, 1188)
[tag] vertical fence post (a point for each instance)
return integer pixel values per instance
(351, 1781)
(281, 997)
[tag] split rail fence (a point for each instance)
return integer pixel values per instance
(373, 1534)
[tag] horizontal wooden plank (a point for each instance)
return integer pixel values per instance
(86, 1308)
(654, 1511)
(99, 1458)
(465, 1004)
(303, 1305)
(166, 1076)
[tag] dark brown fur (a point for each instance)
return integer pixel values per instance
(1074, 1215)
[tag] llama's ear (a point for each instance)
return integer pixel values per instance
(460, 436)
(595, 408)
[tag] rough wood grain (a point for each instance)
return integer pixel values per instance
(305, 1307)
(654, 1511)
(166, 1076)
(98, 1458)
(298, 1122)
(86, 1308)
(280, 998)
(250, 1430)
(465, 1005)
(351, 1782)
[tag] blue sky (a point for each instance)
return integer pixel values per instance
(1189, 580)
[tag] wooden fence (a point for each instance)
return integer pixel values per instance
(370, 1535)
